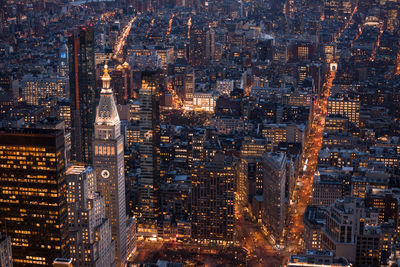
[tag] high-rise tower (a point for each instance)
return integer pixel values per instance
(63, 62)
(91, 241)
(83, 93)
(33, 206)
(213, 200)
(149, 155)
(198, 46)
(108, 161)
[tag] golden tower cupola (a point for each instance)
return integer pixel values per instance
(106, 79)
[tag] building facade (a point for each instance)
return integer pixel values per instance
(5, 251)
(197, 46)
(108, 162)
(36, 88)
(90, 237)
(346, 107)
(274, 188)
(150, 156)
(213, 198)
(83, 93)
(33, 199)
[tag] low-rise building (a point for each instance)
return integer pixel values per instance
(314, 220)
(317, 258)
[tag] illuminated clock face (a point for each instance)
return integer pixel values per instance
(105, 173)
(121, 171)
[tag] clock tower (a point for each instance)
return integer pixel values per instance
(108, 161)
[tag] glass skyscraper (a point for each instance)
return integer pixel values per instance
(83, 92)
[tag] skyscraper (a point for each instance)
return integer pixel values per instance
(108, 162)
(62, 67)
(274, 192)
(33, 198)
(82, 92)
(149, 155)
(198, 46)
(91, 241)
(213, 201)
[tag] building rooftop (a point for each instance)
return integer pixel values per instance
(314, 216)
(317, 258)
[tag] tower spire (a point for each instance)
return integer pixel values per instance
(106, 79)
(106, 111)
